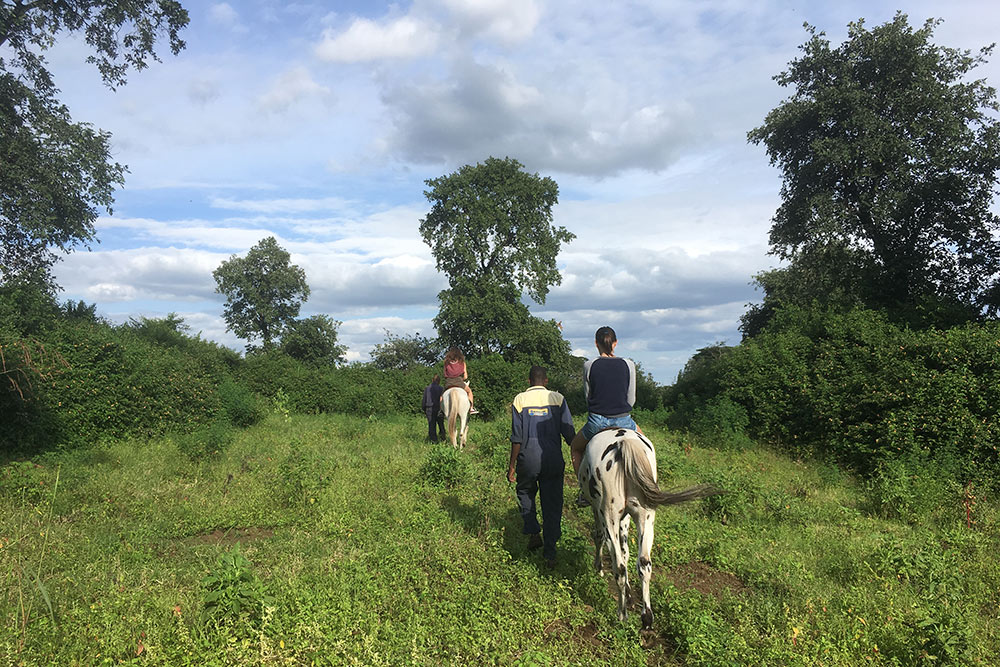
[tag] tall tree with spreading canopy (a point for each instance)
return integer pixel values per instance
(889, 157)
(55, 174)
(264, 292)
(491, 233)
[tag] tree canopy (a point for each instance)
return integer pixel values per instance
(406, 352)
(263, 290)
(490, 230)
(492, 224)
(55, 175)
(313, 341)
(889, 157)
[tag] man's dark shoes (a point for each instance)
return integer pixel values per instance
(535, 541)
(550, 563)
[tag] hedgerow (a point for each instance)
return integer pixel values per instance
(865, 390)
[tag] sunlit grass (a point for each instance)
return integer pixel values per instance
(363, 561)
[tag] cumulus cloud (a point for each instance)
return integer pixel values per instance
(506, 20)
(367, 40)
(482, 110)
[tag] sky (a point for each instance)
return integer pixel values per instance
(318, 123)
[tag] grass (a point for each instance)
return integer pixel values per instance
(318, 540)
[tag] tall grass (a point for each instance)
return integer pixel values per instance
(317, 539)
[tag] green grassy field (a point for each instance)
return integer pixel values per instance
(331, 540)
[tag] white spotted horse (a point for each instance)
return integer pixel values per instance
(456, 406)
(618, 477)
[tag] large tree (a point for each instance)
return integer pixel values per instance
(491, 233)
(55, 174)
(889, 156)
(264, 292)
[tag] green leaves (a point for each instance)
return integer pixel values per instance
(492, 224)
(889, 155)
(55, 175)
(263, 292)
(490, 230)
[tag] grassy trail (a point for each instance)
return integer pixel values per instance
(324, 540)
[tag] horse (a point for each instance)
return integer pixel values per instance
(618, 477)
(456, 406)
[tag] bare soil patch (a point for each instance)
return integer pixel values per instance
(230, 536)
(705, 579)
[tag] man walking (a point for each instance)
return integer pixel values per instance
(432, 408)
(538, 418)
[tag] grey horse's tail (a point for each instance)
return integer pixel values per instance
(638, 470)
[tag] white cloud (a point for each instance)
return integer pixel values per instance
(224, 14)
(291, 87)
(506, 20)
(366, 40)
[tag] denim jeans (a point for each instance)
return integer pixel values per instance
(597, 423)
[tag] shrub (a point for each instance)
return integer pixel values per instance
(444, 467)
(722, 424)
(232, 594)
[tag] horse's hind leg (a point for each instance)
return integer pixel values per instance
(598, 535)
(618, 565)
(623, 527)
(645, 565)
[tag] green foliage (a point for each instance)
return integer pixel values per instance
(491, 224)
(722, 423)
(491, 233)
(205, 440)
(263, 291)
(859, 388)
(495, 383)
(406, 352)
(232, 593)
(241, 407)
(444, 467)
(313, 341)
(57, 174)
(890, 158)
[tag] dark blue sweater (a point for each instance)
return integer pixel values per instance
(609, 385)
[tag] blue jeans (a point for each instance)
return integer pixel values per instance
(597, 423)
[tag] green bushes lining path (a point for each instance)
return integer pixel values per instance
(861, 390)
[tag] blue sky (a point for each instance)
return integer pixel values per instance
(318, 123)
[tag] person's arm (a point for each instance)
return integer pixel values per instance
(631, 382)
(566, 427)
(515, 449)
(516, 437)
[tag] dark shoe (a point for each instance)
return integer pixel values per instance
(581, 501)
(550, 563)
(535, 541)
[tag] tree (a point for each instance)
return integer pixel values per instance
(313, 341)
(889, 157)
(56, 174)
(263, 292)
(406, 352)
(490, 231)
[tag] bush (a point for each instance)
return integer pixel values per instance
(444, 467)
(232, 594)
(863, 390)
(722, 424)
